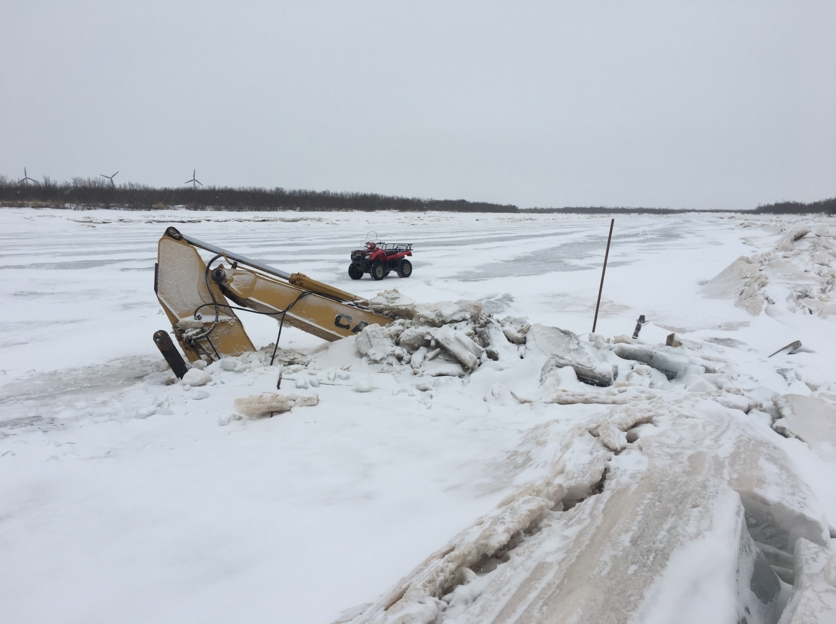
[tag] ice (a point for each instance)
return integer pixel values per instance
(650, 499)
(196, 377)
(364, 383)
(810, 419)
(448, 325)
(375, 343)
(563, 348)
(393, 303)
(814, 588)
(273, 402)
(438, 314)
(515, 329)
(459, 345)
(780, 279)
(613, 531)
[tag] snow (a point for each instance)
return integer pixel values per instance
(483, 457)
(196, 377)
(810, 419)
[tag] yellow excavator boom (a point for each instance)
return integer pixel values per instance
(196, 298)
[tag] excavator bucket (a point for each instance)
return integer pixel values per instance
(196, 299)
(182, 289)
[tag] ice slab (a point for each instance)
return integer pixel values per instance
(563, 348)
(814, 588)
(810, 419)
(272, 402)
(664, 534)
(669, 360)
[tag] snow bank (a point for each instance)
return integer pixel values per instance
(798, 274)
(648, 515)
(741, 280)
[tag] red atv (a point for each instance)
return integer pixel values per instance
(377, 259)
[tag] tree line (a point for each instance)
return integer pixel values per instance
(100, 193)
(789, 207)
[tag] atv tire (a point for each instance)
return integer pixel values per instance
(377, 271)
(405, 269)
(354, 272)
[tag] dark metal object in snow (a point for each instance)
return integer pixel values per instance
(603, 272)
(794, 346)
(170, 353)
(639, 324)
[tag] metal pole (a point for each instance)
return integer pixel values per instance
(256, 264)
(603, 273)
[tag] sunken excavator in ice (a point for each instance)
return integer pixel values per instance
(200, 300)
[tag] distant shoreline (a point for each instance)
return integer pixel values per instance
(92, 194)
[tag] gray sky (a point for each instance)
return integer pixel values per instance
(694, 104)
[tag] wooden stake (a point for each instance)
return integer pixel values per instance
(603, 273)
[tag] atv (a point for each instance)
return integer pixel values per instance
(377, 259)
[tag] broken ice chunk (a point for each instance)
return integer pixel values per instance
(374, 343)
(413, 338)
(814, 590)
(270, 402)
(565, 349)
(459, 345)
(742, 280)
(196, 377)
(418, 357)
(515, 329)
(612, 437)
(393, 303)
(443, 367)
(438, 314)
(810, 419)
(735, 401)
(497, 344)
(787, 241)
(668, 360)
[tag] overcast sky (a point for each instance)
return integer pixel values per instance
(691, 104)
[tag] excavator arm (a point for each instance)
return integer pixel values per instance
(196, 298)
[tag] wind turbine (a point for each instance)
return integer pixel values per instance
(26, 179)
(110, 177)
(194, 181)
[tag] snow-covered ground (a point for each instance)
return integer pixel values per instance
(127, 497)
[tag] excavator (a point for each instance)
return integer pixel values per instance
(196, 296)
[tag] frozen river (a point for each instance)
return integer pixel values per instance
(124, 497)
